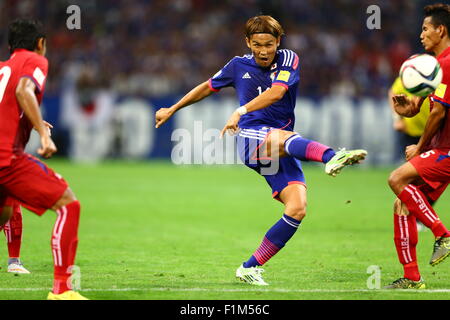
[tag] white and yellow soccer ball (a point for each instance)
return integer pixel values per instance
(421, 74)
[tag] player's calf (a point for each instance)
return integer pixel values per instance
(65, 240)
(307, 150)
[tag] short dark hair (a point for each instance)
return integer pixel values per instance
(24, 34)
(263, 24)
(440, 15)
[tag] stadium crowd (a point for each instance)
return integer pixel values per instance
(159, 47)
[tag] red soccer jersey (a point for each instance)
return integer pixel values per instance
(15, 127)
(441, 140)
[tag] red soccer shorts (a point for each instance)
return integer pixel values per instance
(32, 183)
(433, 167)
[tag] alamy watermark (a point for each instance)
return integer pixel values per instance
(74, 281)
(374, 280)
(205, 146)
(73, 22)
(374, 20)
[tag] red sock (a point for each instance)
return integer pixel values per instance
(418, 205)
(13, 232)
(64, 245)
(405, 239)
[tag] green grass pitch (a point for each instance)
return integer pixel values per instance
(153, 230)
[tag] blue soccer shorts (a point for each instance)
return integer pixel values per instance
(279, 173)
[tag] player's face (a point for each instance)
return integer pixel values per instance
(264, 47)
(430, 36)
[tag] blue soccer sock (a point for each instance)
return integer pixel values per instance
(304, 149)
(274, 240)
(327, 155)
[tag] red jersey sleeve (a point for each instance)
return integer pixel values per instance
(442, 92)
(36, 68)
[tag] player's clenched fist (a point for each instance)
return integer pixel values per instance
(47, 148)
(162, 115)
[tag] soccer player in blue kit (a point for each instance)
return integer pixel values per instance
(266, 83)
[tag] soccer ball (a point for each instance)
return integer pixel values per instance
(421, 74)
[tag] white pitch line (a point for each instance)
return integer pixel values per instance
(242, 290)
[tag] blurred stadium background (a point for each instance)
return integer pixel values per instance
(132, 57)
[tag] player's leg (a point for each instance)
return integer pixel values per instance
(294, 199)
(420, 226)
(64, 243)
(288, 186)
(13, 232)
(286, 177)
(405, 239)
(284, 143)
(401, 182)
(39, 188)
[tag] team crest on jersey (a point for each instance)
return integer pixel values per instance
(272, 76)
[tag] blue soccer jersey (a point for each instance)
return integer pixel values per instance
(250, 80)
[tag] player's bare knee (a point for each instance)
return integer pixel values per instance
(275, 142)
(395, 180)
(5, 214)
(67, 198)
(298, 212)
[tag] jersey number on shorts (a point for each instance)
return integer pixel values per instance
(5, 74)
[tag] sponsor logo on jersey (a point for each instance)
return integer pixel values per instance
(246, 76)
(440, 91)
(284, 76)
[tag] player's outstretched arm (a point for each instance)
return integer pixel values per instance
(262, 101)
(407, 107)
(25, 94)
(437, 115)
(198, 93)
